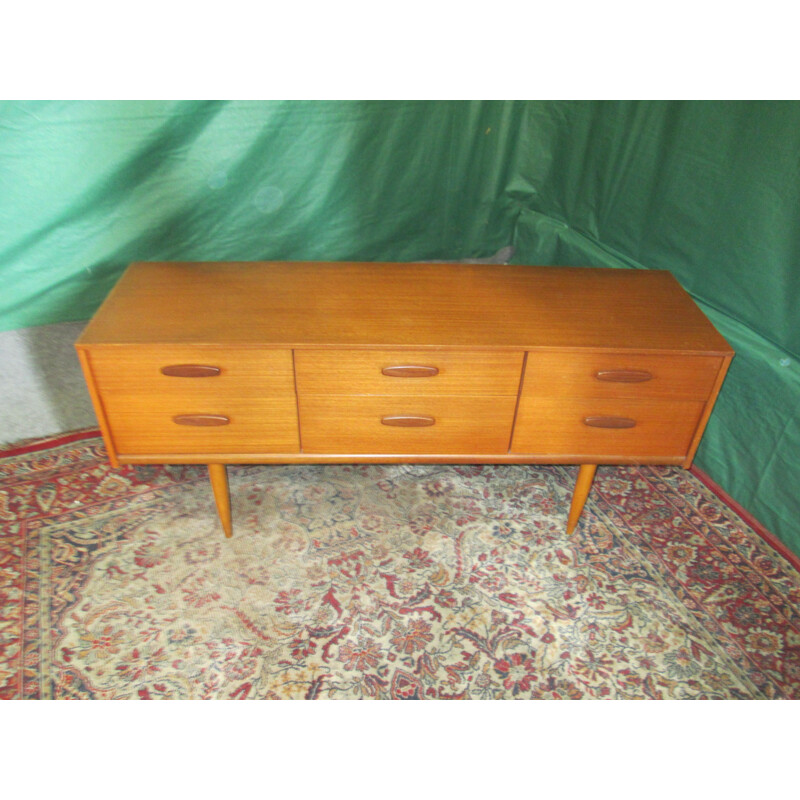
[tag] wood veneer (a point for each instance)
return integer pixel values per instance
(272, 362)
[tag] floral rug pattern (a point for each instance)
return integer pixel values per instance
(382, 581)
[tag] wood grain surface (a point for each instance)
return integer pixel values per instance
(332, 304)
(575, 374)
(556, 425)
(341, 424)
(282, 362)
(243, 371)
(143, 423)
(361, 372)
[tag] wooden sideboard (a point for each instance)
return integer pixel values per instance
(320, 362)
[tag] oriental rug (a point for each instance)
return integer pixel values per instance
(382, 581)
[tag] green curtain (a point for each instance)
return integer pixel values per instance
(707, 190)
(91, 186)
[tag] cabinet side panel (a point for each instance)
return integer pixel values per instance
(85, 359)
(701, 425)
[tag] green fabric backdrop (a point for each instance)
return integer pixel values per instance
(707, 190)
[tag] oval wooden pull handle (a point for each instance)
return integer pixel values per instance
(201, 420)
(609, 422)
(408, 421)
(410, 371)
(190, 371)
(624, 375)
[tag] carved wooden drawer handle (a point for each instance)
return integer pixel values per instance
(609, 422)
(190, 371)
(410, 371)
(201, 420)
(624, 375)
(408, 421)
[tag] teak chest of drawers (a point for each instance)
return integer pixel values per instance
(281, 362)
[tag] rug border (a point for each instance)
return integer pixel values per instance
(43, 443)
(770, 538)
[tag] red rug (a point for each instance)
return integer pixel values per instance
(382, 581)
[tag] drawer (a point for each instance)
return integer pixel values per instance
(571, 374)
(405, 372)
(380, 425)
(558, 426)
(241, 371)
(142, 425)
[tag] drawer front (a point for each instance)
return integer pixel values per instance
(407, 372)
(605, 428)
(142, 425)
(573, 374)
(406, 424)
(201, 371)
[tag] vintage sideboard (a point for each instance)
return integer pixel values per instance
(322, 362)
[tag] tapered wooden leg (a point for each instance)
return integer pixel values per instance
(222, 495)
(582, 486)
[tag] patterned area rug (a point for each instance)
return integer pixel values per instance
(382, 581)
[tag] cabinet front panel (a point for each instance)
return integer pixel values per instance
(404, 372)
(576, 374)
(406, 424)
(194, 370)
(605, 428)
(142, 424)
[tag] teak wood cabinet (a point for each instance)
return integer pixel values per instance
(316, 362)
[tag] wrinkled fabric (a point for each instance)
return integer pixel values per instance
(711, 192)
(88, 187)
(707, 190)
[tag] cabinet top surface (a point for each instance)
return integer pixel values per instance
(376, 304)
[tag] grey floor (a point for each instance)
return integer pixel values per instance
(42, 391)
